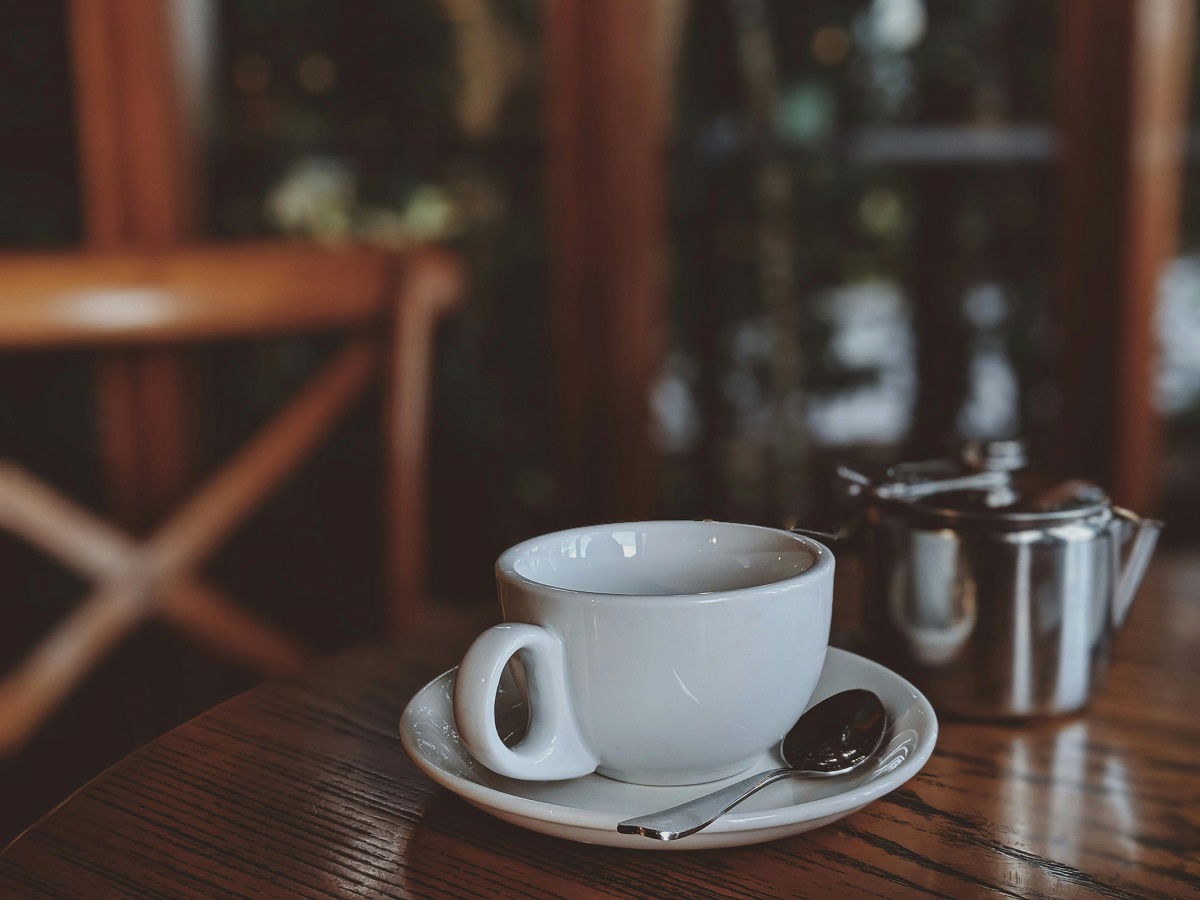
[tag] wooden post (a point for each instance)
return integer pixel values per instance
(137, 172)
(1123, 104)
(605, 112)
(1163, 36)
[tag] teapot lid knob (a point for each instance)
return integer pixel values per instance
(995, 456)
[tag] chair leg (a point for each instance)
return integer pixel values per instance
(136, 580)
(431, 284)
(100, 551)
(44, 678)
(215, 508)
(126, 595)
(60, 527)
(204, 613)
(48, 674)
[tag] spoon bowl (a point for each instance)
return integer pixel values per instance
(834, 737)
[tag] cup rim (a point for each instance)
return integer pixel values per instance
(505, 567)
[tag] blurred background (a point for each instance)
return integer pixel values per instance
(711, 248)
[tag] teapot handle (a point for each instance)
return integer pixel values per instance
(1129, 575)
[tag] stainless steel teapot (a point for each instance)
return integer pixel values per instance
(996, 594)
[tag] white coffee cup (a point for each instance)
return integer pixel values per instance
(654, 652)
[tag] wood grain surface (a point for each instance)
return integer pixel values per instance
(300, 788)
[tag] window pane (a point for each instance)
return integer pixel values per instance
(861, 207)
(394, 121)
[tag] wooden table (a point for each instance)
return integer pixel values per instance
(301, 788)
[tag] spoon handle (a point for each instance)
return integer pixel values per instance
(688, 818)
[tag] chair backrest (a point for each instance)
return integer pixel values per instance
(111, 299)
(189, 294)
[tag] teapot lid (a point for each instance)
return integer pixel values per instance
(988, 486)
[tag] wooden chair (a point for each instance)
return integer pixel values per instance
(388, 304)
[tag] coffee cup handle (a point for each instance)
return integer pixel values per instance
(553, 747)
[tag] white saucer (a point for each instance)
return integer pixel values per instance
(588, 809)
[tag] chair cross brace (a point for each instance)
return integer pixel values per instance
(134, 580)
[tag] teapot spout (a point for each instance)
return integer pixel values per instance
(1145, 534)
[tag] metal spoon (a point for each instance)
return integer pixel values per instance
(835, 737)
